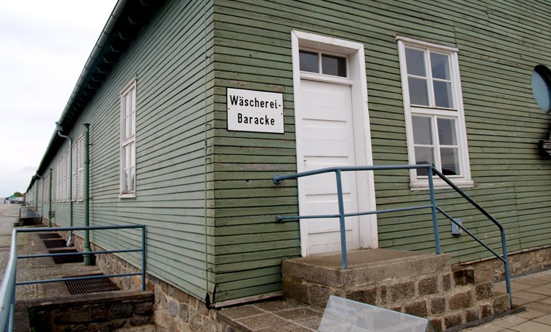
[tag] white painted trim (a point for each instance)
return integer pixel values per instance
(357, 80)
(326, 78)
(124, 142)
(457, 113)
(424, 44)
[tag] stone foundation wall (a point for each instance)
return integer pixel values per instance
(520, 263)
(91, 312)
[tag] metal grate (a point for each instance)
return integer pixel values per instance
(88, 286)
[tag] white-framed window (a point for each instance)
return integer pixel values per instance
(74, 171)
(58, 182)
(128, 141)
(80, 168)
(66, 177)
(435, 118)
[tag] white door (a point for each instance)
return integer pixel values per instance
(328, 139)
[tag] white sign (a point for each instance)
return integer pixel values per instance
(255, 111)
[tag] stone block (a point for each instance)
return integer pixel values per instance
(500, 304)
(121, 310)
(383, 292)
(115, 324)
(485, 310)
(294, 289)
(402, 291)
(428, 286)
(192, 303)
(446, 282)
(461, 300)
(418, 308)
(178, 294)
(100, 312)
(437, 305)
(464, 276)
(162, 304)
(184, 312)
(139, 320)
(160, 318)
(173, 308)
(144, 308)
(484, 291)
(397, 308)
(319, 295)
(77, 314)
(472, 315)
(368, 296)
(453, 320)
(436, 324)
(202, 309)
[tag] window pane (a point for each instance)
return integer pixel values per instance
(132, 123)
(450, 161)
(446, 132)
(309, 61)
(541, 87)
(131, 179)
(128, 106)
(440, 66)
(415, 62)
(418, 92)
(128, 156)
(422, 133)
(443, 94)
(126, 180)
(333, 65)
(424, 156)
(133, 102)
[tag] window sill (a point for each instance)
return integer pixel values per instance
(424, 185)
(127, 196)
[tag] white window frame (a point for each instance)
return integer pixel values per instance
(80, 168)
(457, 112)
(74, 170)
(127, 141)
(64, 177)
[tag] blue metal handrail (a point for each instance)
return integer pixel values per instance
(7, 288)
(277, 179)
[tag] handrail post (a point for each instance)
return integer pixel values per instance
(341, 220)
(434, 215)
(506, 263)
(143, 258)
(12, 304)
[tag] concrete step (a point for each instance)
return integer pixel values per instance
(419, 284)
(364, 267)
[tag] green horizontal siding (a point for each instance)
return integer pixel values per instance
(194, 50)
(499, 44)
(168, 61)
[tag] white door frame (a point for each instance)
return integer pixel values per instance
(356, 58)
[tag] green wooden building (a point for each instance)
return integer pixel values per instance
(194, 106)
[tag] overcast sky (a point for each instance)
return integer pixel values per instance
(43, 48)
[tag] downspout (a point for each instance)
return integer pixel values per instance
(59, 128)
(41, 198)
(50, 201)
(208, 301)
(87, 258)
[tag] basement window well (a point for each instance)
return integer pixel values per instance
(541, 87)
